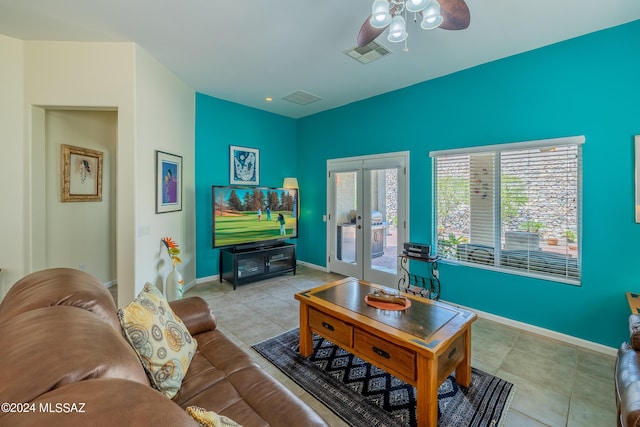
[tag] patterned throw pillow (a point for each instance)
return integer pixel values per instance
(209, 418)
(161, 340)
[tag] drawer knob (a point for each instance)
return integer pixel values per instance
(381, 352)
(328, 326)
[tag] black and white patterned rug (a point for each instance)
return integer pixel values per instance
(364, 395)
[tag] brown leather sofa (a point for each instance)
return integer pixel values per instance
(65, 362)
(627, 377)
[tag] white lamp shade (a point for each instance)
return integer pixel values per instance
(397, 30)
(380, 16)
(416, 5)
(290, 183)
(431, 17)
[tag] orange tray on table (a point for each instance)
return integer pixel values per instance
(388, 305)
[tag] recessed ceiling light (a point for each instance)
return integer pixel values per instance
(268, 99)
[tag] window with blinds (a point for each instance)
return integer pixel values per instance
(513, 207)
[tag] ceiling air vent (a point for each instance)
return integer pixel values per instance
(301, 98)
(368, 53)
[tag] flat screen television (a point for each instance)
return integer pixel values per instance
(246, 216)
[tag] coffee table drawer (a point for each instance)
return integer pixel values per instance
(386, 355)
(331, 328)
(451, 358)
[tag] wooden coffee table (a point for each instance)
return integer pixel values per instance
(420, 345)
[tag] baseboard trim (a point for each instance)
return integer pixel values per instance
(208, 279)
(579, 342)
(314, 266)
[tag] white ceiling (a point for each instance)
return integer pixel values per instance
(245, 51)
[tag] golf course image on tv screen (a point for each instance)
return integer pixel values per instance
(243, 215)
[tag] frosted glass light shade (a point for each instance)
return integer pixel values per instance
(416, 5)
(380, 16)
(431, 17)
(397, 30)
(290, 183)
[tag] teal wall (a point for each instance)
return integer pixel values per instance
(584, 86)
(220, 124)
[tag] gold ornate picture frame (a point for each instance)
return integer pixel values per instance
(81, 174)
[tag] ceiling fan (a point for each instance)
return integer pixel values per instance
(445, 14)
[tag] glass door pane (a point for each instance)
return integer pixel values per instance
(347, 224)
(380, 230)
(346, 212)
(384, 217)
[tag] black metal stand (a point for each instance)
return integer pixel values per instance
(425, 286)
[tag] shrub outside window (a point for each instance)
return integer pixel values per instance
(513, 207)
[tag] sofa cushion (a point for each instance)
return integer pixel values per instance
(104, 402)
(210, 418)
(59, 286)
(50, 347)
(215, 361)
(160, 338)
(225, 379)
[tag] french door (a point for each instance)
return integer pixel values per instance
(367, 222)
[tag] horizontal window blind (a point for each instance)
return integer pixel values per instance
(515, 209)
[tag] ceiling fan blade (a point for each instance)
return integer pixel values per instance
(455, 14)
(368, 33)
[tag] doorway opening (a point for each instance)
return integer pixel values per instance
(74, 234)
(367, 205)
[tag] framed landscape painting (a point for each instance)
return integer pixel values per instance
(168, 182)
(244, 165)
(81, 174)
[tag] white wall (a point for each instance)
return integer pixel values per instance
(13, 214)
(84, 75)
(38, 76)
(165, 121)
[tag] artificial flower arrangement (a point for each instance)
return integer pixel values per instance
(172, 249)
(174, 278)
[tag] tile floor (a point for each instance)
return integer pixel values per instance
(557, 384)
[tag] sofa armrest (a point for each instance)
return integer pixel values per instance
(195, 313)
(634, 331)
(630, 406)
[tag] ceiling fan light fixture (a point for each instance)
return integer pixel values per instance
(397, 30)
(416, 5)
(380, 16)
(453, 15)
(431, 16)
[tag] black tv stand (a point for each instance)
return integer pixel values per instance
(256, 262)
(257, 246)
